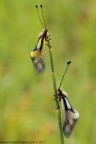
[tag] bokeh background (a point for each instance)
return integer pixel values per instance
(27, 108)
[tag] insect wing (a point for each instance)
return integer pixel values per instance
(37, 57)
(70, 117)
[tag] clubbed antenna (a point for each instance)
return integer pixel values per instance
(68, 63)
(39, 16)
(43, 16)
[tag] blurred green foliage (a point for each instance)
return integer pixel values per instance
(27, 109)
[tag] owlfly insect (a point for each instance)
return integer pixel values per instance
(37, 54)
(69, 115)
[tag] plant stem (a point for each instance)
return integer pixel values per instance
(55, 92)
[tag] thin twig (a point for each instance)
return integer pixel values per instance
(55, 92)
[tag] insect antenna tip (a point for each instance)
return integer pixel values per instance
(68, 62)
(36, 6)
(41, 6)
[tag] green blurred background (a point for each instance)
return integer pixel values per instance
(27, 109)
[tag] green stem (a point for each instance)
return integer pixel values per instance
(55, 92)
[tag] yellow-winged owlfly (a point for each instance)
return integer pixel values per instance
(69, 115)
(37, 54)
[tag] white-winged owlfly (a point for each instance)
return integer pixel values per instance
(37, 54)
(69, 115)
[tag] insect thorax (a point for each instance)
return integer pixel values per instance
(43, 34)
(62, 93)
